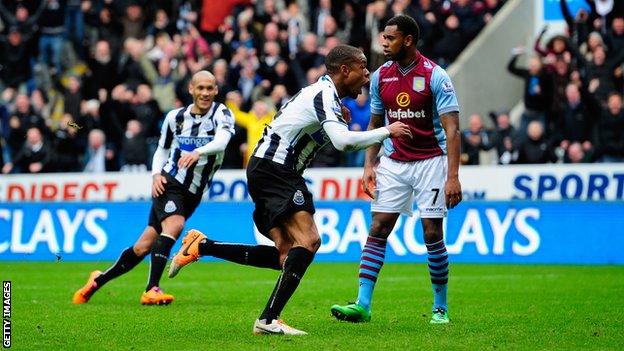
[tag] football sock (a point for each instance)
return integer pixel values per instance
(126, 261)
(160, 254)
(438, 270)
(295, 266)
(262, 256)
(372, 260)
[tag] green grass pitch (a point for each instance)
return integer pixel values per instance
(492, 307)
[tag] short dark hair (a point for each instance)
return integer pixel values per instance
(406, 25)
(341, 55)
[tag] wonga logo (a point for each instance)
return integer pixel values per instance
(403, 99)
(192, 143)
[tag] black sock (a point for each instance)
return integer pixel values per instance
(160, 253)
(296, 263)
(126, 261)
(262, 256)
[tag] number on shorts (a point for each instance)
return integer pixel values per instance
(437, 192)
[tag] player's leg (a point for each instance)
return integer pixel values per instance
(195, 244)
(438, 267)
(371, 262)
(171, 228)
(394, 196)
(128, 259)
(429, 191)
(302, 231)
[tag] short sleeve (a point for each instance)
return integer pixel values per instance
(327, 106)
(167, 131)
(377, 107)
(443, 92)
(224, 119)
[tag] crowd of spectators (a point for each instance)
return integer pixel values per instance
(85, 84)
(573, 86)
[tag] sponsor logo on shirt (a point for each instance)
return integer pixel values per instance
(403, 99)
(403, 114)
(390, 79)
(188, 143)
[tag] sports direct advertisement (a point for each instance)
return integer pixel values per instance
(491, 183)
(485, 232)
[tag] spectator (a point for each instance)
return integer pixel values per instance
(451, 42)
(133, 22)
(609, 131)
(34, 156)
(52, 24)
(97, 155)
(134, 150)
(73, 97)
(14, 61)
(535, 147)
(575, 123)
(67, 146)
(27, 117)
(308, 58)
(474, 140)
(576, 154)
(21, 20)
(504, 138)
(74, 26)
(254, 122)
(536, 88)
(615, 36)
(163, 81)
(102, 72)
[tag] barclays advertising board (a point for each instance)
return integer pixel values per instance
(587, 182)
(482, 232)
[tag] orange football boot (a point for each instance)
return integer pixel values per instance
(155, 296)
(84, 294)
(189, 252)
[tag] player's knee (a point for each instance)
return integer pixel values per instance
(173, 225)
(312, 243)
(142, 248)
(432, 236)
(381, 229)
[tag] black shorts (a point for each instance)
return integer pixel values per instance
(176, 200)
(277, 191)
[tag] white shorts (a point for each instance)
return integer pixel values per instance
(399, 182)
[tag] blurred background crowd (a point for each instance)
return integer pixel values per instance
(85, 84)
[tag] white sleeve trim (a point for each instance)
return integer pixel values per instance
(448, 109)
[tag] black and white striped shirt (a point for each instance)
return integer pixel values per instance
(296, 133)
(184, 132)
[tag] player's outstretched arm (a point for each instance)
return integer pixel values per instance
(217, 145)
(345, 140)
(452, 189)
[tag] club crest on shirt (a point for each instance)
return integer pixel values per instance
(418, 84)
(298, 198)
(170, 206)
